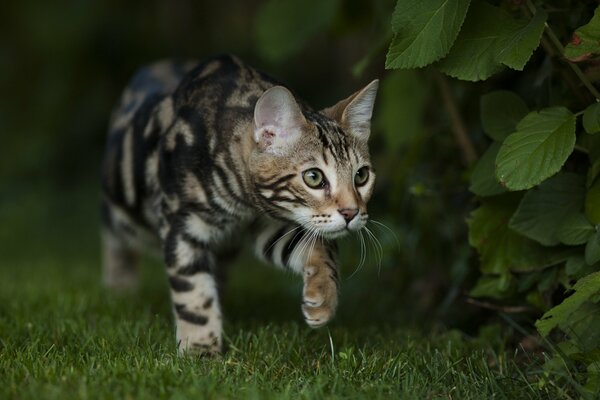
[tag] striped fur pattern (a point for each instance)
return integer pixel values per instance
(197, 152)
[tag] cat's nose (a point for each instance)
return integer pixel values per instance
(348, 213)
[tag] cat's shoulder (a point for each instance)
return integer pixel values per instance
(226, 70)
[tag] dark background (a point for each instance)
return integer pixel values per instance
(63, 65)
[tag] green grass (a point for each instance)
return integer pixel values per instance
(63, 336)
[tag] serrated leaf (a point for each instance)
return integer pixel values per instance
(592, 249)
(583, 327)
(489, 39)
(591, 118)
(284, 26)
(537, 150)
(501, 111)
(483, 178)
(586, 40)
(516, 49)
(575, 230)
(592, 203)
(424, 31)
(501, 249)
(543, 210)
(585, 289)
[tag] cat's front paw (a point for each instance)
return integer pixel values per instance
(206, 348)
(199, 341)
(319, 297)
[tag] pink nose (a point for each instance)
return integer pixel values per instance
(348, 213)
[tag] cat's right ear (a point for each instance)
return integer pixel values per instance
(354, 113)
(278, 120)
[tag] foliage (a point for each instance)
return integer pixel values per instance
(540, 240)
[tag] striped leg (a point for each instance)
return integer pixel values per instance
(198, 319)
(293, 248)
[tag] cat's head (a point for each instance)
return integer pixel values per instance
(311, 167)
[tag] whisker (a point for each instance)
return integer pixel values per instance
(381, 225)
(302, 246)
(362, 257)
(312, 247)
(377, 246)
(282, 236)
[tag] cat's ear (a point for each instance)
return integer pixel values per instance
(354, 113)
(278, 120)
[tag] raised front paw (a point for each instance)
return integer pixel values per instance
(319, 296)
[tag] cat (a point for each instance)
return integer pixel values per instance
(196, 152)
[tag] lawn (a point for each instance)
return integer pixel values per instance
(63, 336)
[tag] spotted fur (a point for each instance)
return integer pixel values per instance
(198, 151)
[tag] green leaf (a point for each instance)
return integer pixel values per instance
(592, 203)
(517, 48)
(501, 111)
(494, 286)
(284, 26)
(401, 118)
(543, 210)
(502, 250)
(575, 264)
(575, 230)
(489, 39)
(583, 326)
(592, 249)
(585, 289)
(586, 40)
(483, 178)
(424, 31)
(591, 119)
(591, 143)
(537, 150)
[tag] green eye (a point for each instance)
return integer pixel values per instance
(314, 178)
(362, 176)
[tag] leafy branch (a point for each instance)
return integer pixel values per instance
(561, 50)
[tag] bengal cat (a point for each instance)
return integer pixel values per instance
(198, 152)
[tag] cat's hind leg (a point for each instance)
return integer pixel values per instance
(120, 261)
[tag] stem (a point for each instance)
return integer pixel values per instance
(558, 45)
(582, 149)
(495, 307)
(469, 155)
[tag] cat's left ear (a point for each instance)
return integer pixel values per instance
(354, 113)
(278, 120)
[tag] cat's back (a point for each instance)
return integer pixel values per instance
(219, 92)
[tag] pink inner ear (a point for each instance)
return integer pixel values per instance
(268, 137)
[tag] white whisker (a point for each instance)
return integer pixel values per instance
(283, 236)
(361, 260)
(383, 226)
(302, 246)
(377, 246)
